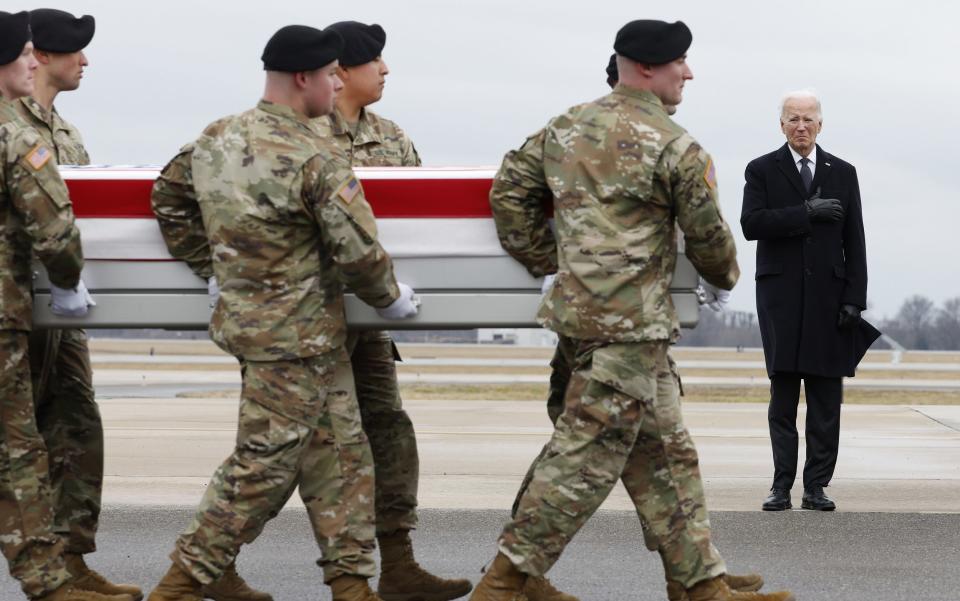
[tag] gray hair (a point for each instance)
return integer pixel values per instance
(804, 94)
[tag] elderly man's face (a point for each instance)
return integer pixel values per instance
(801, 123)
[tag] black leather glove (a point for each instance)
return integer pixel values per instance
(824, 209)
(849, 316)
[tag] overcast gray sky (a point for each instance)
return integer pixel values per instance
(471, 79)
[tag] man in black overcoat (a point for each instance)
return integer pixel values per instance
(802, 206)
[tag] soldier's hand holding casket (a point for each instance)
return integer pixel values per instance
(213, 291)
(713, 297)
(547, 283)
(406, 306)
(71, 302)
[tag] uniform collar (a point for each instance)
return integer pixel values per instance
(365, 130)
(40, 113)
(281, 110)
(644, 95)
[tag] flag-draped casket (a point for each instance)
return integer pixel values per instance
(434, 222)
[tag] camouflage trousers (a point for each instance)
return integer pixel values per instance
(69, 422)
(561, 369)
(388, 428)
(289, 411)
(621, 421)
(33, 551)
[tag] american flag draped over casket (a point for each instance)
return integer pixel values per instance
(434, 222)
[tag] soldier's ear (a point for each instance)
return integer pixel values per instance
(300, 79)
(42, 56)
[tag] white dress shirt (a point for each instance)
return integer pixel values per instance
(812, 156)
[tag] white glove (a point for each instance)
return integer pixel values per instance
(713, 297)
(406, 306)
(547, 283)
(71, 302)
(213, 291)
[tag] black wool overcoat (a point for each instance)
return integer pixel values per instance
(806, 270)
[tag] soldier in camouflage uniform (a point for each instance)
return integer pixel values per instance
(276, 215)
(35, 217)
(561, 368)
(372, 141)
(621, 175)
(67, 414)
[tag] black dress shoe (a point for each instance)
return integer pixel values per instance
(814, 498)
(779, 500)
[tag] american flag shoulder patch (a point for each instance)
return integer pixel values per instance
(348, 190)
(38, 157)
(710, 174)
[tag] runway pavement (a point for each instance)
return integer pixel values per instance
(896, 534)
(821, 557)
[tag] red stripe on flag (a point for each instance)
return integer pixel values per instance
(422, 198)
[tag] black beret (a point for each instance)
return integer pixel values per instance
(613, 75)
(59, 31)
(361, 42)
(653, 42)
(14, 35)
(296, 48)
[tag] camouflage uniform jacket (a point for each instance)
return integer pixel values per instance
(35, 216)
(621, 175)
(372, 142)
(276, 213)
(56, 132)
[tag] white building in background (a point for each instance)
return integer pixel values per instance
(517, 336)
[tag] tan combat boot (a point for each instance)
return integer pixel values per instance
(352, 588)
(502, 582)
(402, 578)
(744, 584)
(177, 585)
(748, 583)
(89, 580)
(539, 588)
(68, 592)
(715, 589)
(232, 587)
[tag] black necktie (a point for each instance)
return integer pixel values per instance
(805, 174)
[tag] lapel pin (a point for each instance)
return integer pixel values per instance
(826, 163)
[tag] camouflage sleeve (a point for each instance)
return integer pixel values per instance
(41, 199)
(517, 199)
(333, 194)
(409, 156)
(174, 202)
(709, 242)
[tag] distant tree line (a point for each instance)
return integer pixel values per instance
(921, 325)
(728, 328)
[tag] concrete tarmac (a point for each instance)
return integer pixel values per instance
(473, 454)
(819, 556)
(224, 374)
(895, 536)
